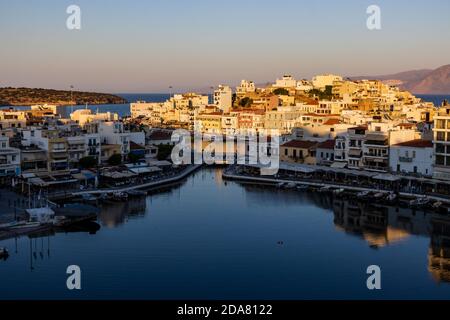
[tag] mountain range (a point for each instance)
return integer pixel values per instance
(424, 81)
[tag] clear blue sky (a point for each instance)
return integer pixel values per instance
(145, 46)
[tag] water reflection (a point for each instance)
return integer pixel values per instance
(378, 225)
(116, 213)
(381, 226)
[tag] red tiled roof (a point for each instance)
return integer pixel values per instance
(329, 144)
(303, 144)
(135, 146)
(406, 125)
(160, 135)
(419, 143)
(332, 122)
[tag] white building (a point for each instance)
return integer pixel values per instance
(287, 81)
(245, 87)
(441, 143)
(324, 80)
(84, 116)
(412, 157)
(9, 159)
(223, 98)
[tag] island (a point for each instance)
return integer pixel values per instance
(32, 96)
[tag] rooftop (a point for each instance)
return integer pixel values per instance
(418, 143)
(303, 144)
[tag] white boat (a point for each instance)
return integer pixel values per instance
(391, 197)
(338, 191)
(378, 195)
(325, 189)
(419, 202)
(363, 194)
(290, 185)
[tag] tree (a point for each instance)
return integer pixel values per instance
(245, 102)
(87, 162)
(164, 150)
(115, 159)
(133, 158)
(281, 92)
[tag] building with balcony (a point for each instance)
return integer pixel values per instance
(441, 141)
(412, 157)
(223, 98)
(9, 160)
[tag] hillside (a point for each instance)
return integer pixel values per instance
(31, 96)
(418, 81)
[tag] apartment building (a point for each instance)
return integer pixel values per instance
(412, 157)
(84, 116)
(245, 87)
(441, 141)
(223, 98)
(53, 142)
(9, 160)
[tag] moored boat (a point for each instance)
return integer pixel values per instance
(3, 253)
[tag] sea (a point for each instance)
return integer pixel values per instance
(123, 110)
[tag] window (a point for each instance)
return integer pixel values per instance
(414, 154)
(398, 168)
(415, 169)
(285, 152)
(440, 124)
(440, 160)
(440, 136)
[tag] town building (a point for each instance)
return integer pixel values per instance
(412, 157)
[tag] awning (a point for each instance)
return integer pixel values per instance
(386, 177)
(139, 170)
(339, 165)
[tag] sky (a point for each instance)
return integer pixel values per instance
(147, 46)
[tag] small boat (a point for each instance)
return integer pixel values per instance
(290, 185)
(3, 253)
(325, 189)
(87, 197)
(302, 187)
(378, 195)
(136, 193)
(391, 197)
(281, 184)
(338, 191)
(363, 194)
(437, 205)
(120, 196)
(419, 202)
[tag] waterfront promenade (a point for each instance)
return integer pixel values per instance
(151, 184)
(228, 174)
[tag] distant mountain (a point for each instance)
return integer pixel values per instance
(29, 96)
(418, 81)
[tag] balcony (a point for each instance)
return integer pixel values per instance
(405, 159)
(376, 155)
